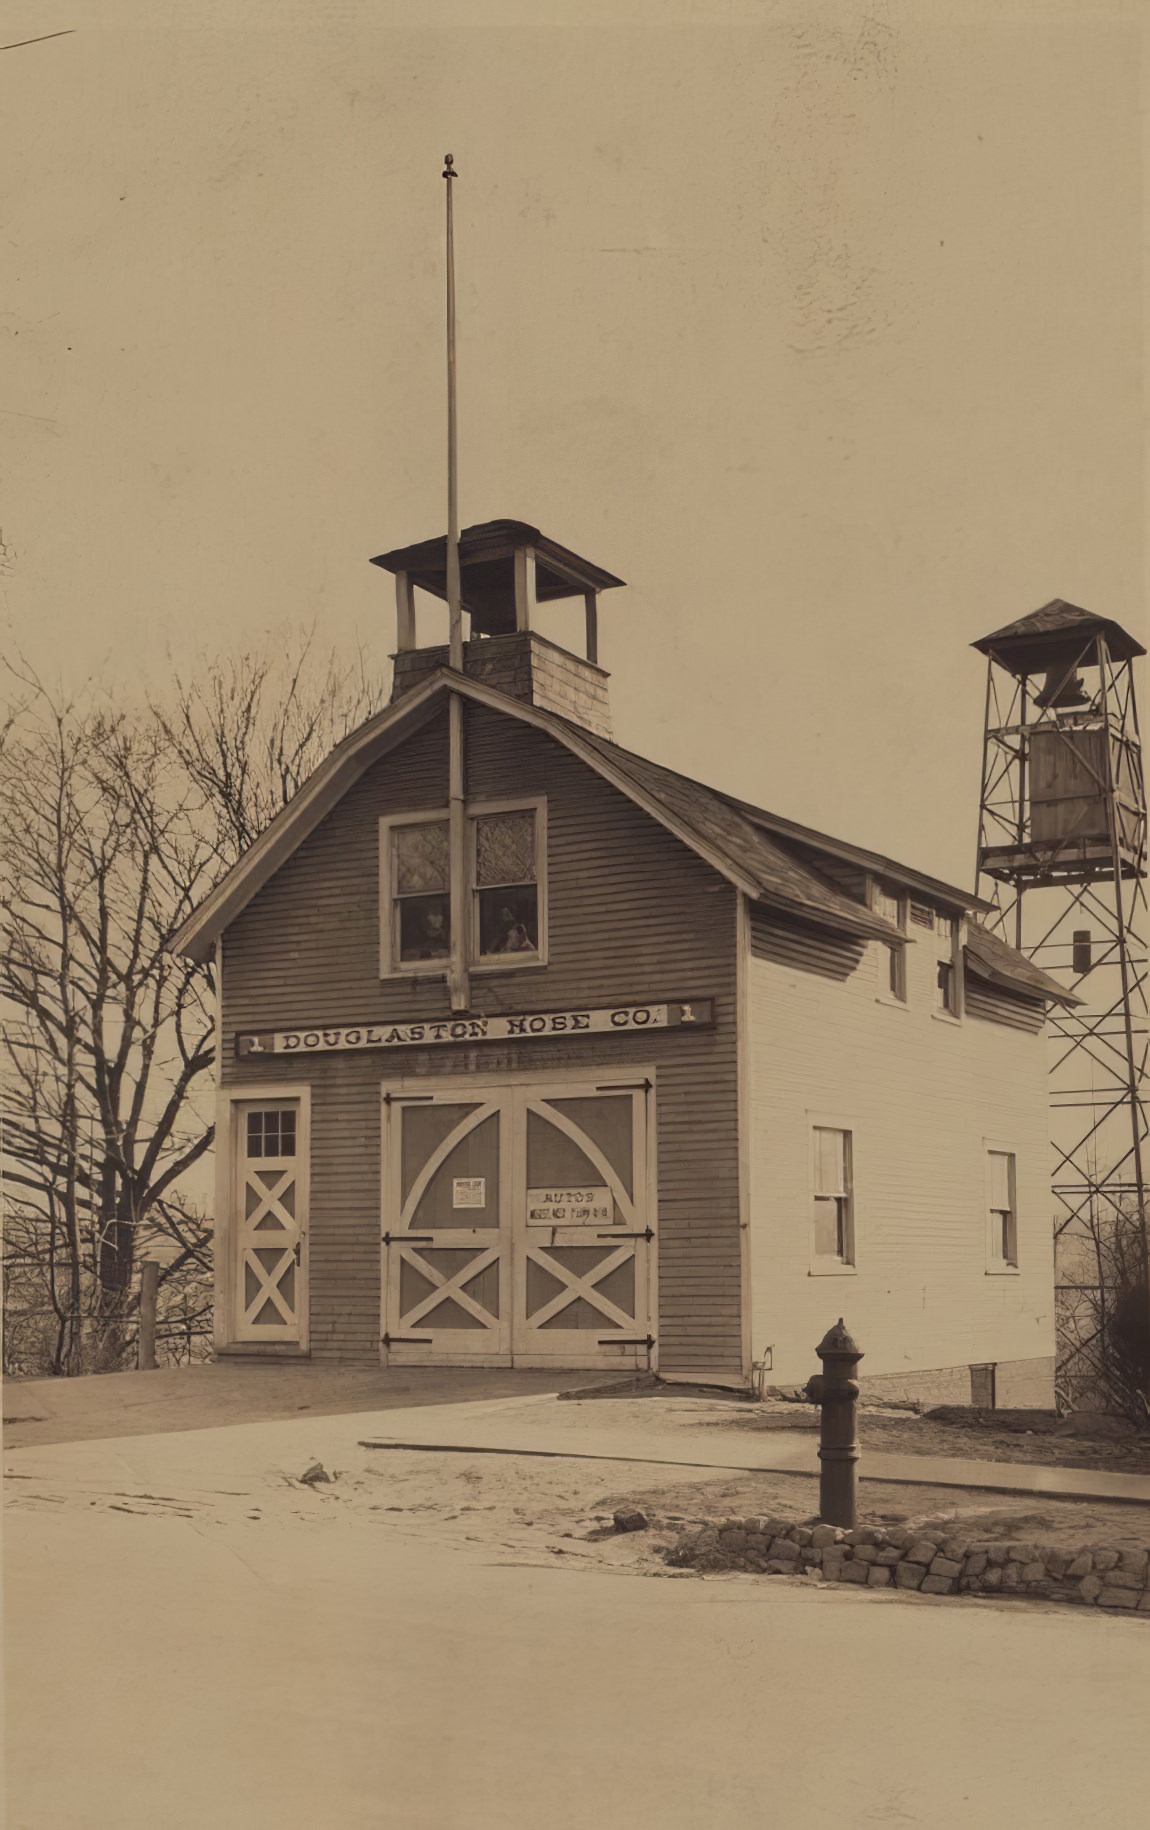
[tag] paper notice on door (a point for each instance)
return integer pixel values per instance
(469, 1191)
(570, 1207)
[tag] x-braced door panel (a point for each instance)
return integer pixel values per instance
(584, 1266)
(447, 1228)
(270, 1209)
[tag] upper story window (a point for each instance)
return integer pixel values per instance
(506, 851)
(946, 972)
(893, 908)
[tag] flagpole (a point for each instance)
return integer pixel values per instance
(454, 607)
(458, 986)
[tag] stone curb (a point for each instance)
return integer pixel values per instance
(929, 1565)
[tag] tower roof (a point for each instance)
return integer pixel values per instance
(485, 560)
(1037, 641)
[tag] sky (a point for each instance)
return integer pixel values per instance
(820, 324)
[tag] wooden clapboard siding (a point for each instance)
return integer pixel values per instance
(924, 1097)
(633, 916)
(994, 1004)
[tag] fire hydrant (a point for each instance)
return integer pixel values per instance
(836, 1391)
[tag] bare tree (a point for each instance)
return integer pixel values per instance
(114, 821)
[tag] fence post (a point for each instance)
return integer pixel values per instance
(149, 1285)
(836, 1390)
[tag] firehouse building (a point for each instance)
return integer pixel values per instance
(536, 1053)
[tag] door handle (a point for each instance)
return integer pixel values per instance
(299, 1251)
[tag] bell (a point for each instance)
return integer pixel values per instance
(1061, 689)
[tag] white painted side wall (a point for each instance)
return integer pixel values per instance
(922, 1097)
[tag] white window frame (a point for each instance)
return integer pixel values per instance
(891, 950)
(823, 1264)
(954, 961)
(507, 962)
(997, 1265)
(390, 965)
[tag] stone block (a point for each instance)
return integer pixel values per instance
(854, 1572)
(991, 1579)
(809, 1557)
(949, 1567)
(1135, 1561)
(730, 1538)
(1118, 1598)
(1034, 1572)
(909, 1575)
(1081, 1565)
(922, 1551)
(955, 1549)
(1105, 1560)
(756, 1542)
(1022, 1553)
(900, 1536)
(1058, 1563)
(1090, 1588)
(782, 1548)
(889, 1556)
(1144, 1604)
(859, 1534)
(937, 1585)
(1012, 1576)
(998, 1553)
(878, 1576)
(801, 1535)
(1123, 1579)
(822, 1535)
(866, 1553)
(778, 1566)
(833, 1561)
(975, 1563)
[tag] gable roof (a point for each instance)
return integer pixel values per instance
(739, 841)
(704, 820)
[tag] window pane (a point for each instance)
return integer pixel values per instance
(505, 848)
(827, 1229)
(830, 1164)
(1000, 1200)
(421, 858)
(945, 985)
(255, 1134)
(508, 921)
(894, 971)
(424, 927)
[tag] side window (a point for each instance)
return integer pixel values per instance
(1002, 1214)
(833, 1234)
(946, 979)
(892, 907)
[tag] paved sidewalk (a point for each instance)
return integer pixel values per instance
(104, 1406)
(536, 1426)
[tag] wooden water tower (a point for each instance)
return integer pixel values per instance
(1062, 857)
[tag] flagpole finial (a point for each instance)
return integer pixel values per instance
(449, 170)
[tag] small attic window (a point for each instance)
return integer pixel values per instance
(921, 915)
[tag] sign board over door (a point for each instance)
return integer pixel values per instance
(619, 1020)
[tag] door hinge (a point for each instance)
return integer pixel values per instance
(408, 1238)
(626, 1086)
(646, 1234)
(614, 1340)
(299, 1251)
(404, 1340)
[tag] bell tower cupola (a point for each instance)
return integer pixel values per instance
(509, 574)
